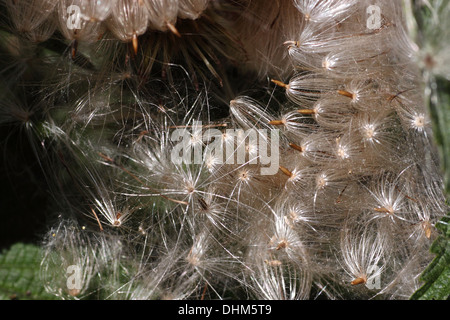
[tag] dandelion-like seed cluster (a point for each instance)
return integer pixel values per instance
(351, 208)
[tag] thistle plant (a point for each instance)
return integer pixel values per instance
(198, 149)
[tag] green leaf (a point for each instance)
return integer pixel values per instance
(437, 274)
(19, 273)
(432, 21)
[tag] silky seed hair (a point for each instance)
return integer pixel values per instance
(191, 9)
(150, 119)
(27, 16)
(363, 252)
(129, 19)
(163, 14)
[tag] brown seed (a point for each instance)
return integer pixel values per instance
(296, 147)
(282, 245)
(360, 280)
(286, 171)
(273, 263)
(203, 204)
(306, 111)
(173, 29)
(347, 94)
(384, 210)
(281, 84)
(135, 43)
(292, 43)
(277, 122)
(74, 292)
(426, 225)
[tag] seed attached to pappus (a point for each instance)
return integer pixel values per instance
(384, 210)
(280, 84)
(359, 280)
(117, 221)
(306, 111)
(427, 228)
(135, 43)
(273, 263)
(203, 204)
(292, 43)
(278, 122)
(347, 94)
(296, 147)
(286, 171)
(283, 244)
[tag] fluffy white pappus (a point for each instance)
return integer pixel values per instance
(350, 44)
(375, 130)
(192, 268)
(262, 29)
(390, 197)
(220, 147)
(73, 27)
(304, 89)
(164, 282)
(330, 178)
(348, 60)
(208, 259)
(163, 14)
(183, 207)
(98, 10)
(110, 210)
(182, 173)
(364, 252)
(415, 118)
(24, 126)
(191, 9)
(393, 27)
(321, 11)
(280, 267)
(95, 108)
(406, 278)
(358, 91)
(422, 220)
(243, 185)
(285, 240)
(273, 279)
(325, 148)
(69, 263)
(331, 112)
(426, 206)
(177, 185)
(198, 250)
(294, 124)
(315, 39)
(14, 110)
(43, 32)
(366, 54)
(295, 177)
(213, 210)
(348, 153)
(29, 15)
(129, 19)
(330, 194)
(380, 136)
(315, 148)
(298, 212)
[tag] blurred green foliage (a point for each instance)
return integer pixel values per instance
(431, 33)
